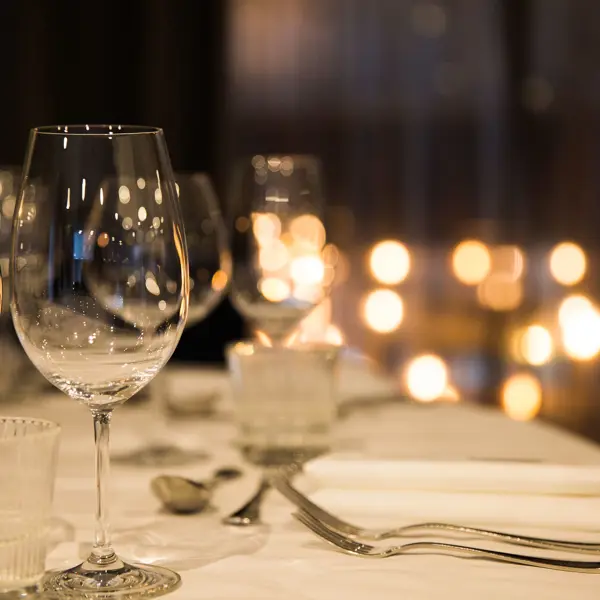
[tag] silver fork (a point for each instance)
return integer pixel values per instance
(283, 485)
(358, 548)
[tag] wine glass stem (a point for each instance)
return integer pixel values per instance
(102, 552)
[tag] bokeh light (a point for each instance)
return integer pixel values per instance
(536, 345)
(308, 231)
(522, 396)
(581, 332)
(124, 194)
(389, 262)
(103, 240)
(307, 270)
(266, 228)
(427, 377)
(334, 335)
(509, 261)
(219, 280)
(572, 306)
(471, 262)
(383, 310)
(274, 289)
(500, 293)
(568, 263)
(273, 256)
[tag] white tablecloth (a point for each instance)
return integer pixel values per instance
(282, 560)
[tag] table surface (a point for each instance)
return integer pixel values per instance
(280, 559)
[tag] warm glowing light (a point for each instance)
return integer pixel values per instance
(508, 260)
(124, 194)
(103, 240)
(500, 292)
(273, 257)
(142, 213)
(308, 231)
(333, 335)
(568, 263)
(427, 377)
(266, 228)
(141, 183)
(581, 333)
(389, 262)
(274, 289)
(219, 281)
(152, 286)
(307, 270)
(309, 293)
(451, 394)
(522, 396)
(471, 262)
(263, 338)
(572, 306)
(536, 345)
(383, 311)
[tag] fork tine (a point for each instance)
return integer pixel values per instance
(329, 535)
(283, 485)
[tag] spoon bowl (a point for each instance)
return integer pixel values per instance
(180, 495)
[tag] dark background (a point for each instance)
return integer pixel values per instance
(435, 120)
(137, 62)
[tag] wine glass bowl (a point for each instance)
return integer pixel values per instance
(279, 273)
(100, 288)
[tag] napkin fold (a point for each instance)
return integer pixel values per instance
(469, 492)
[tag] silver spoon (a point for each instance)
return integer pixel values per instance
(249, 514)
(181, 495)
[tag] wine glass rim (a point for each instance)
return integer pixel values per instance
(97, 130)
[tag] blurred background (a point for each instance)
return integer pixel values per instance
(460, 145)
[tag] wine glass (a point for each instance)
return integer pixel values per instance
(279, 274)
(209, 262)
(100, 290)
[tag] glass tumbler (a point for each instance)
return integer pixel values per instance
(28, 455)
(285, 401)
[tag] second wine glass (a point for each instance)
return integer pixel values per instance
(279, 274)
(210, 273)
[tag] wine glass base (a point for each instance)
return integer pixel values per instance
(160, 455)
(126, 581)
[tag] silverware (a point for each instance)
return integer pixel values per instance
(283, 485)
(249, 514)
(181, 495)
(359, 548)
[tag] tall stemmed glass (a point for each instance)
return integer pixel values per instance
(278, 274)
(100, 296)
(210, 271)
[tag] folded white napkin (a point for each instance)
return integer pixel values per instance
(478, 492)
